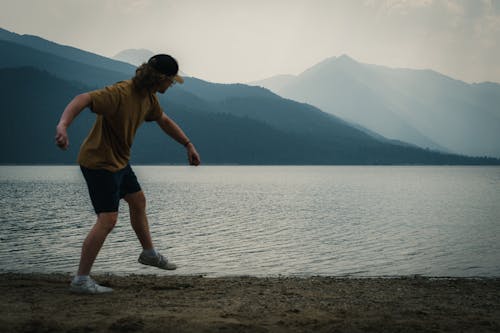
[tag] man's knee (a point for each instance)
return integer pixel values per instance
(136, 201)
(107, 220)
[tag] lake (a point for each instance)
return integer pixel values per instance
(265, 220)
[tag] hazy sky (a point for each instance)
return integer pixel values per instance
(241, 41)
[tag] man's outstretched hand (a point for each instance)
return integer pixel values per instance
(193, 156)
(62, 140)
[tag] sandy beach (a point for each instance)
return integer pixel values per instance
(147, 303)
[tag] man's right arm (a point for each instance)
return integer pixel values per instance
(71, 111)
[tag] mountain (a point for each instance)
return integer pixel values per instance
(32, 101)
(234, 124)
(421, 107)
(263, 105)
(17, 55)
(67, 52)
(134, 56)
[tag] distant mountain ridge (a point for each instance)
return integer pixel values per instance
(17, 55)
(231, 124)
(422, 107)
(67, 52)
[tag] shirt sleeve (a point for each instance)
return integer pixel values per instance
(105, 101)
(156, 110)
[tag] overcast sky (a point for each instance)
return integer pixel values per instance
(241, 41)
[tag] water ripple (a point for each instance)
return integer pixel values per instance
(266, 221)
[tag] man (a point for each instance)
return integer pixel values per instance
(105, 153)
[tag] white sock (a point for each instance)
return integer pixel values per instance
(80, 278)
(150, 252)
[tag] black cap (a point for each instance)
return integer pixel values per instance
(166, 65)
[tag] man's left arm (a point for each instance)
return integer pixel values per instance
(174, 131)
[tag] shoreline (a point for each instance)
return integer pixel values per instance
(170, 274)
(495, 165)
(150, 303)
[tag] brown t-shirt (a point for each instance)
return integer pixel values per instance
(120, 111)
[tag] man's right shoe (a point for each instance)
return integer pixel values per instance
(88, 286)
(158, 261)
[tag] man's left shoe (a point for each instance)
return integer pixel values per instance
(157, 261)
(88, 286)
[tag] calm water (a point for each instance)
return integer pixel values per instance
(238, 220)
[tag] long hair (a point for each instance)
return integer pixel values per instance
(146, 77)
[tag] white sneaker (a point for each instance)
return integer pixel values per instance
(88, 286)
(157, 261)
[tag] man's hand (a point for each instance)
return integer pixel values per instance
(72, 110)
(193, 156)
(62, 140)
(174, 131)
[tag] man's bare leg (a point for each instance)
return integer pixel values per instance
(137, 207)
(95, 239)
(139, 221)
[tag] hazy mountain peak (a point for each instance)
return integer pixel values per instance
(134, 56)
(342, 59)
(333, 66)
(346, 58)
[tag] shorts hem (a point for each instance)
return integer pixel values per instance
(105, 210)
(131, 192)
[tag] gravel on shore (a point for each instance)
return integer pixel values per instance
(149, 303)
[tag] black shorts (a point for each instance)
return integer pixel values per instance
(106, 188)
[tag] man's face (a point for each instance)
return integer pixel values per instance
(165, 84)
